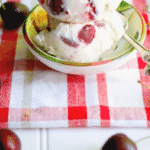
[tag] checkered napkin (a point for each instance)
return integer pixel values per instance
(35, 96)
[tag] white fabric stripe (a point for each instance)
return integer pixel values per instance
(17, 91)
(94, 123)
(14, 125)
(91, 92)
(124, 89)
(52, 89)
(49, 124)
(128, 123)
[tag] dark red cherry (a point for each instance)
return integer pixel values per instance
(9, 140)
(119, 142)
(56, 7)
(13, 14)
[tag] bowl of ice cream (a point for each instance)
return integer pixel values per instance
(81, 53)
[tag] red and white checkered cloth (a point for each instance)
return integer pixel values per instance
(35, 96)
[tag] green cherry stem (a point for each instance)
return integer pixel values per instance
(142, 139)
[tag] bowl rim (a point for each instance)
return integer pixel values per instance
(124, 6)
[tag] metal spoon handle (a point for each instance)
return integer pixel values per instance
(141, 49)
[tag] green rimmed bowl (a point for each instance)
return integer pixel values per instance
(37, 21)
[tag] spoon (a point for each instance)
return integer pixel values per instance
(141, 49)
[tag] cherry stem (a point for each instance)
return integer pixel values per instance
(142, 139)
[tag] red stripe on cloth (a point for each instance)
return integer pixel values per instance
(131, 64)
(78, 123)
(77, 110)
(75, 113)
(145, 83)
(93, 112)
(7, 54)
(15, 114)
(40, 66)
(141, 5)
(49, 113)
(148, 114)
(76, 90)
(39, 114)
(3, 114)
(146, 43)
(127, 113)
(103, 99)
(141, 63)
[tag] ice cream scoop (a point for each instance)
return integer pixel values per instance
(81, 42)
(78, 11)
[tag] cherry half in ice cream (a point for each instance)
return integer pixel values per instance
(92, 10)
(56, 7)
(119, 142)
(9, 140)
(87, 34)
(69, 42)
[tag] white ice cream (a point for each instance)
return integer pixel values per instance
(79, 11)
(70, 42)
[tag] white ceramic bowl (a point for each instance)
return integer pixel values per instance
(37, 20)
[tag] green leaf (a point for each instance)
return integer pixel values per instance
(124, 6)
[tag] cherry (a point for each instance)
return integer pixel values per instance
(9, 140)
(13, 14)
(92, 6)
(99, 24)
(92, 11)
(119, 142)
(42, 1)
(87, 34)
(69, 42)
(56, 7)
